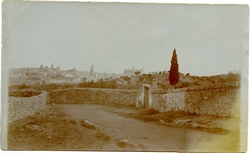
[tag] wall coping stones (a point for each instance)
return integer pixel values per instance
(106, 89)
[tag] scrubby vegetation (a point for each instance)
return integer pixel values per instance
(34, 90)
(99, 84)
(23, 93)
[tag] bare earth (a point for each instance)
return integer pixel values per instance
(65, 127)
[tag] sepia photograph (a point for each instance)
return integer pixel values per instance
(123, 76)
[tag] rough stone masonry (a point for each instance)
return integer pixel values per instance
(81, 95)
(20, 107)
(221, 101)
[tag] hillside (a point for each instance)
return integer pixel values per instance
(161, 80)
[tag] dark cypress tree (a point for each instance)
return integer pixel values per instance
(174, 70)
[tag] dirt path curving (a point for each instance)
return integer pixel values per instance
(147, 136)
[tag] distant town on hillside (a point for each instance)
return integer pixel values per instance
(53, 74)
(129, 79)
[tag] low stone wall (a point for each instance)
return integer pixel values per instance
(81, 95)
(169, 101)
(20, 107)
(222, 101)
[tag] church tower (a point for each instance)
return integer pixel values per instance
(92, 70)
(52, 67)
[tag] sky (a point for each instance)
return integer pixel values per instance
(209, 39)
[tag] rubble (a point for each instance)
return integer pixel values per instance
(88, 124)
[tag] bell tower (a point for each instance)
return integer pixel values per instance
(92, 70)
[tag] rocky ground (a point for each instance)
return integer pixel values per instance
(95, 126)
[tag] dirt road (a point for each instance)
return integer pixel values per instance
(147, 136)
(63, 129)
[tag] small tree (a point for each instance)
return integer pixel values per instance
(137, 72)
(113, 84)
(84, 80)
(126, 78)
(174, 70)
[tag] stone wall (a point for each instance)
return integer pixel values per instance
(217, 101)
(20, 107)
(221, 101)
(81, 95)
(169, 101)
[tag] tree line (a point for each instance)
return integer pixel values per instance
(98, 84)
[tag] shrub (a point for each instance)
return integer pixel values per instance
(23, 86)
(23, 93)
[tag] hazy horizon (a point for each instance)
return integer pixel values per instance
(209, 39)
(234, 71)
